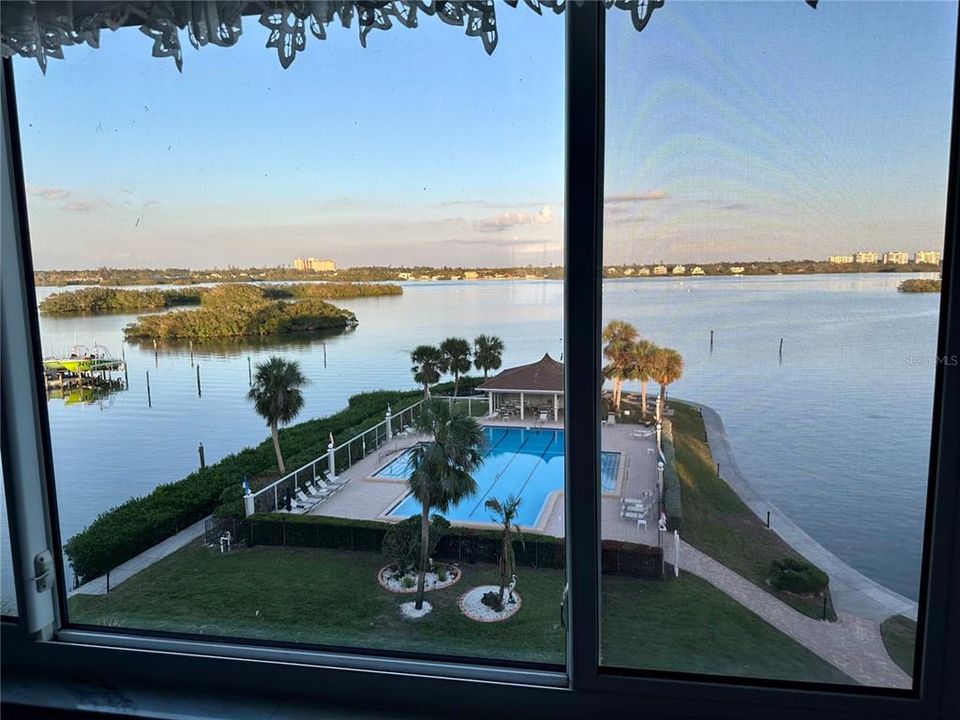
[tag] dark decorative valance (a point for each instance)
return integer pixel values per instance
(41, 30)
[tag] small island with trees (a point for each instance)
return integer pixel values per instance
(920, 285)
(240, 310)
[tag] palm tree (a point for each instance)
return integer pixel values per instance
(456, 358)
(427, 366)
(487, 353)
(666, 368)
(640, 368)
(619, 337)
(442, 467)
(277, 395)
(506, 513)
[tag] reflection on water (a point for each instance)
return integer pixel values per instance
(102, 396)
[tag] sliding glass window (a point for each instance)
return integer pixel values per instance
(773, 232)
(283, 309)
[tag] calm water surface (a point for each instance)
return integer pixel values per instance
(837, 434)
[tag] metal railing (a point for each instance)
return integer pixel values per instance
(272, 497)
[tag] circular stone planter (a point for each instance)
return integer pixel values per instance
(473, 608)
(387, 582)
(410, 612)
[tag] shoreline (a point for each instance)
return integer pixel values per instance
(549, 274)
(851, 591)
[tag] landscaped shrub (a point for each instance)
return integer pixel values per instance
(401, 543)
(493, 600)
(797, 577)
(671, 480)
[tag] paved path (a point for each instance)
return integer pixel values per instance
(852, 591)
(124, 571)
(852, 643)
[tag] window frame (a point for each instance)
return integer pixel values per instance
(37, 644)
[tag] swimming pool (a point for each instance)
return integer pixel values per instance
(524, 462)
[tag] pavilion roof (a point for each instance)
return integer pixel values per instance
(545, 375)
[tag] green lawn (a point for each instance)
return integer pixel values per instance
(900, 639)
(332, 598)
(718, 522)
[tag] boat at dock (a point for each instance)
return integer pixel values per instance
(82, 359)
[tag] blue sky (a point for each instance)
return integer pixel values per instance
(734, 131)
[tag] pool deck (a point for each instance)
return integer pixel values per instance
(365, 497)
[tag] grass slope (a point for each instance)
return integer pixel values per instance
(900, 639)
(718, 522)
(332, 598)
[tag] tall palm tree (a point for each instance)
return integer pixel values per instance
(487, 353)
(506, 513)
(456, 359)
(619, 337)
(667, 367)
(427, 366)
(442, 467)
(640, 368)
(277, 395)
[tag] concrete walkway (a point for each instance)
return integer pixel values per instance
(852, 591)
(852, 644)
(124, 571)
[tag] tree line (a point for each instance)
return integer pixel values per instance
(454, 356)
(91, 301)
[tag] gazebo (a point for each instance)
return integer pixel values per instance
(537, 388)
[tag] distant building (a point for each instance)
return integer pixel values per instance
(697, 270)
(679, 270)
(314, 265)
(643, 271)
(612, 271)
(628, 271)
(737, 269)
(660, 270)
(471, 275)
(895, 258)
(865, 257)
(840, 259)
(927, 257)
(405, 276)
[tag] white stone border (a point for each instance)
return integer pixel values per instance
(472, 597)
(436, 586)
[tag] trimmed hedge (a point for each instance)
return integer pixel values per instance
(462, 545)
(128, 529)
(672, 505)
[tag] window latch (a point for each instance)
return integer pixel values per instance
(43, 570)
(563, 607)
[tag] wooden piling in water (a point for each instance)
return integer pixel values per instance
(199, 391)
(249, 371)
(203, 460)
(781, 346)
(711, 341)
(149, 402)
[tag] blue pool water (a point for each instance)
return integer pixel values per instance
(524, 462)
